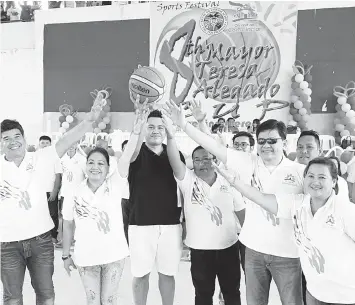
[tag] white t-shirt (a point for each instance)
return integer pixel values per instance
(50, 174)
(98, 221)
(262, 231)
(209, 212)
(14, 13)
(24, 208)
(326, 244)
(343, 189)
(73, 173)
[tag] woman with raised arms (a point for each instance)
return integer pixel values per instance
(324, 229)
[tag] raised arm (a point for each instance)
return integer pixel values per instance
(176, 164)
(199, 115)
(126, 157)
(267, 201)
(75, 134)
(177, 116)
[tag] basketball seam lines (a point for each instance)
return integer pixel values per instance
(148, 82)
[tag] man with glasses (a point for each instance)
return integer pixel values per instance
(270, 250)
(210, 208)
(243, 141)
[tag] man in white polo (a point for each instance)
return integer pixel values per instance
(270, 249)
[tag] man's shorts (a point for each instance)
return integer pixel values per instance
(159, 245)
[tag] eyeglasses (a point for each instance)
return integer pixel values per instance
(203, 161)
(241, 145)
(269, 141)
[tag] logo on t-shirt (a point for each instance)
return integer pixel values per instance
(84, 209)
(289, 179)
(330, 220)
(7, 191)
(199, 197)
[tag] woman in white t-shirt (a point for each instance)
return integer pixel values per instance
(324, 229)
(95, 210)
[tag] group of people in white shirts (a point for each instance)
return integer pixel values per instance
(292, 217)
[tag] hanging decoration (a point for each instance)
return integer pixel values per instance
(68, 118)
(344, 122)
(103, 123)
(300, 107)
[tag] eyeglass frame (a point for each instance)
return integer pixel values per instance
(206, 160)
(267, 140)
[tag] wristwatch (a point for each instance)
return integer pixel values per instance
(66, 257)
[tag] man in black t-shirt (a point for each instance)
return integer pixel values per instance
(155, 232)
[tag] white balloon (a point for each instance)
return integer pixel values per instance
(345, 133)
(299, 78)
(343, 168)
(304, 85)
(346, 107)
(341, 100)
(62, 130)
(350, 113)
(306, 117)
(302, 111)
(309, 99)
(106, 120)
(298, 105)
(339, 127)
(102, 125)
(65, 125)
(352, 120)
(294, 98)
(69, 119)
(307, 91)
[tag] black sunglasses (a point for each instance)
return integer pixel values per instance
(269, 141)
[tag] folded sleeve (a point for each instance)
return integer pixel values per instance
(287, 204)
(238, 201)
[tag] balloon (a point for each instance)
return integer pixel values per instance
(337, 107)
(69, 119)
(108, 114)
(111, 152)
(341, 114)
(345, 107)
(352, 120)
(345, 133)
(298, 91)
(62, 130)
(309, 99)
(97, 130)
(337, 121)
(306, 118)
(307, 91)
(346, 156)
(345, 121)
(341, 100)
(309, 86)
(304, 97)
(106, 120)
(350, 113)
(302, 111)
(94, 125)
(61, 119)
(65, 125)
(298, 105)
(343, 168)
(292, 123)
(307, 105)
(102, 114)
(294, 98)
(302, 124)
(107, 108)
(102, 125)
(295, 85)
(339, 127)
(303, 85)
(299, 78)
(297, 117)
(293, 111)
(293, 79)
(308, 78)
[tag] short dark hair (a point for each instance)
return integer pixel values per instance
(215, 127)
(7, 125)
(100, 150)
(124, 143)
(221, 119)
(199, 148)
(257, 121)
(244, 134)
(311, 133)
(338, 162)
(155, 114)
(331, 166)
(273, 125)
(45, 138)
(229, 119)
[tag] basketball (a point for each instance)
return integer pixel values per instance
(148, 82)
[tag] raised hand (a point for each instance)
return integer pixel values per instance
(141, 118)
(225, 174)
(136, 101)
(170, 132)
(196, 110)
(99, 104)
(175, 113)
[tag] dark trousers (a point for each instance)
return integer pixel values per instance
(304, 289)
(37, 254)
(206, 265)
(125, 216)
(53, 211)
(242, 255)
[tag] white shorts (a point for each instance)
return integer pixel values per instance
(158, 244)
